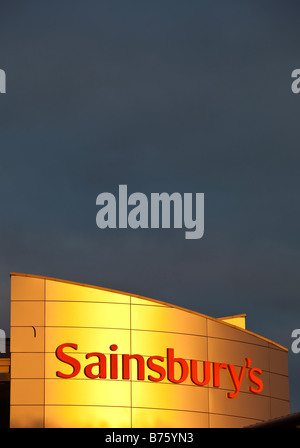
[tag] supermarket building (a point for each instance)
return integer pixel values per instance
(85, 356)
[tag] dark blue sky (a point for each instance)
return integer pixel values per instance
(162, 96)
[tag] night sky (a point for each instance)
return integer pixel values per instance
(162, 96)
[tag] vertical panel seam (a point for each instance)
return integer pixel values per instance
(44, 409)
(208, 408)
(130, 336)
(270, 395)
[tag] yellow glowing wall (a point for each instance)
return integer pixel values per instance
(46, 313)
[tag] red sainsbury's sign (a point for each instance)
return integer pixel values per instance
(161, 367)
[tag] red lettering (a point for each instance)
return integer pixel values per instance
(101, 364)
(154, 363)
(237, 380)
(170, 367)
(68, 360)
(113, 363)
(206, 372)
(156, 368)
(140, 366)
(216, 372)
(255, 380)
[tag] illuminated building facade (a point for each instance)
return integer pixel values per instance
(84, 356)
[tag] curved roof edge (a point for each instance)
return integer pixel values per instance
(218, 320)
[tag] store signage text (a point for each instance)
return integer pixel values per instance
(162, 367)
